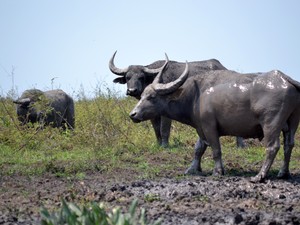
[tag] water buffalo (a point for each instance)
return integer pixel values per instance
(53, 107)
(220, 103)
(138, 77)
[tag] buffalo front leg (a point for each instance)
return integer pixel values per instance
(240, 142)
(165, 128)
(156, 122)
(195, 168)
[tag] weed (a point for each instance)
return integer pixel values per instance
(94, 214)
(202, 198)
(152, 197)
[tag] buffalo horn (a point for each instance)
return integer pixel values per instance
(155, 71)
(22, 101)
(161, 69)
(114, 69)
(164, 89)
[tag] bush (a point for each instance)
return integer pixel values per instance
(92, 214)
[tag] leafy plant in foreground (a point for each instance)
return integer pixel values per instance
(94, 214)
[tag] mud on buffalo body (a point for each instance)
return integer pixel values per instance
(223, 102)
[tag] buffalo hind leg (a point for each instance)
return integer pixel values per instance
(217, 156)
(213, 138)
(273, 145)
(288, 142)
(195, 168)
(288, 145)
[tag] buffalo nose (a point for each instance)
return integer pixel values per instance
(132, 114)
(132, 91)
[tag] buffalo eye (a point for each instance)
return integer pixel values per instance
(151, 96)
(26, 105)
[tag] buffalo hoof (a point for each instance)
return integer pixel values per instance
(257, 179)
(193, 171)
(284, 175)
(218, 172)
(164, 144)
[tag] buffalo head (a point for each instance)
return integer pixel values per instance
(136, 77)
(154, 99)
(27, 108)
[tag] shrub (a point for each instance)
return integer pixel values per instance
(92, 214)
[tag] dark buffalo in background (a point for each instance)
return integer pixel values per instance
(138, 77)
(53, 107)
(223, 102)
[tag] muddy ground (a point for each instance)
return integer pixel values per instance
(184, 200)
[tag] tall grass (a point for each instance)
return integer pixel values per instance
(105, 139)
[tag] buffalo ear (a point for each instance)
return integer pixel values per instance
(149, 80)
(120, 80)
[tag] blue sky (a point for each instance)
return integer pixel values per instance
(74, 40)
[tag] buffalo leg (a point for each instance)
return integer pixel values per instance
(156, 122)
(272, 148)
(240, 142)
(288, 142)
(217, 156)
(165, 128)
(195, 168)
(272, 142)
(70, 119)
(211, 133)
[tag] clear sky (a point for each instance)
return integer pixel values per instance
(72, 41)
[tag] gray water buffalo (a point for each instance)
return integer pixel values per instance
(53, 107)
(138, 77)
(220, 103)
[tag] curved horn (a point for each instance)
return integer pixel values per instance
(161, 69)
(22, 101)
(114, 69)
(155, 71)
(168, 88)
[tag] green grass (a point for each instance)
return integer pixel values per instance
(106, 140)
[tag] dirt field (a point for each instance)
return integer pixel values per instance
(185, 200)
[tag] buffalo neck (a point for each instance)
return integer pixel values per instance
(181, 103)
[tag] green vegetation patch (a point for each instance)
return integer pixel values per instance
(106, 140)
(93, 213)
